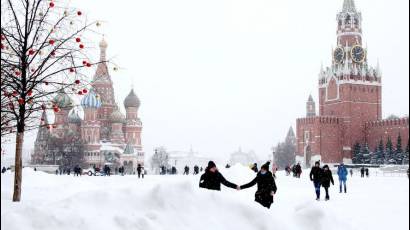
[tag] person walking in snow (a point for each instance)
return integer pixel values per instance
(342, 173)
(186, 170)
(316, 174)
(327, 178)
(362, 171)
(266, 186)
(288, 169)
(298, 170)
(367, 172)
(3, 170)
(196, 170)
(212, 179)
(351, 172)
(139, 170)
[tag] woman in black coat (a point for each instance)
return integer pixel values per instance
(212, 179)
(327, 178)
(266, 186)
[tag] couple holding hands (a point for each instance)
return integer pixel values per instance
(212, 180)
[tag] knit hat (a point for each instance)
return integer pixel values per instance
(317, 163)
(266, 166)
(211, 164)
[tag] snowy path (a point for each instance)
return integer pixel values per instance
(175, 203)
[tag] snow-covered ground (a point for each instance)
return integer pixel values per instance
(52, 202)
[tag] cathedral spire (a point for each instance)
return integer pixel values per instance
(102, 69)
(349, 6)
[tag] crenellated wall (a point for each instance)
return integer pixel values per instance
(376, 130)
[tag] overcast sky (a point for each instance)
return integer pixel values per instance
(222, 74)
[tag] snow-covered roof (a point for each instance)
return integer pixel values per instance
(108, 146)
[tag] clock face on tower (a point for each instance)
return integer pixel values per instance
(358, 54)
(339, 55)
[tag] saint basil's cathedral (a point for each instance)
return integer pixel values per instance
(106, 136)
(350, 101)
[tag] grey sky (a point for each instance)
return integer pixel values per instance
(219, 74)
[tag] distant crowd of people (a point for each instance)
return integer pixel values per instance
(105, 171)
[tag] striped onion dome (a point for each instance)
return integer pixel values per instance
(117, 117)
(91, 100)
(62, 100)
(132, 100)
(73, 117)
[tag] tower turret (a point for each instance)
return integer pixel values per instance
(133, 125)
(117, 120)
(310, 107)
(62, 104)
(90, 127)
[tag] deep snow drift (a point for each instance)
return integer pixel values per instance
(53, 202)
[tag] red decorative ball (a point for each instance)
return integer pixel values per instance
(84, 62)
(72, 70)
(78, 40)
(80, 92)
(79, 13)
(88, 64)
(17, 73)
(51, 42)
(30, 92)
(81, 46)
(48, 126)
(43, 107)
(31, 52)
(21, 101)
(56, 109)
(85, 91)
(77, 81)
(52, 4)
(53, 53)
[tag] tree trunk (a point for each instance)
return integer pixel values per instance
(18, 166)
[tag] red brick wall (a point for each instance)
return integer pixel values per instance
(387, 128)
(357, 104)
(325, 137)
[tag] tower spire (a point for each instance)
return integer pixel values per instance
(349, 6)
(102, 69)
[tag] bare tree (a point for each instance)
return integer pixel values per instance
(43, 51)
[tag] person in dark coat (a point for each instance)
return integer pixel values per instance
(316, 177)
(3, 170)
(298, 170)
(186, 170)
(327, 178)
(362, 170)
(367, 172)
(139, 170)
(212, 179)
(196, 170)
(266, 186)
